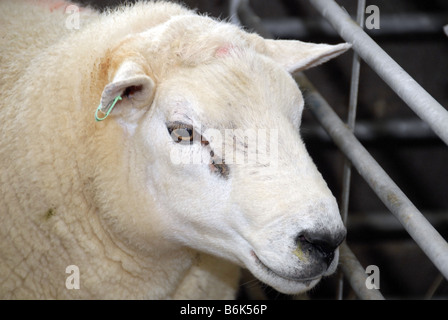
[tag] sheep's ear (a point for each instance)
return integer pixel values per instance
(133, 87)
(296, 55)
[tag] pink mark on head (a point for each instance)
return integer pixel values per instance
(57, 5)
(224, 51)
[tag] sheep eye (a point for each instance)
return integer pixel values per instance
(180, 132)
(185, 134)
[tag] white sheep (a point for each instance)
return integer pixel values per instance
(105, 209)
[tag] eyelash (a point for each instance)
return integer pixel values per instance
(181, 133)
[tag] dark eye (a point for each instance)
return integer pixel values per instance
(185, 134)
(180, 132)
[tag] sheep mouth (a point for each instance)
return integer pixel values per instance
(305, 281)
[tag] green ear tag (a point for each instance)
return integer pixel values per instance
(109, 108)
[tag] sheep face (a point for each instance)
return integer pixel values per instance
(213, 130)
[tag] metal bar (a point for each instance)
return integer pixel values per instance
(233, 12)
(351, 119)
(434, 286)
(429, 240)
(250, 19)
(356, 275)
(420, 101)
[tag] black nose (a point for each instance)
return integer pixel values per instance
(321, 244)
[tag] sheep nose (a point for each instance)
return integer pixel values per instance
(323, 245)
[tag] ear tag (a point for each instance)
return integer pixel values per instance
(108, 109)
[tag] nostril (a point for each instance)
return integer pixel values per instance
(323, 245)
(302, 238)
(327, 250)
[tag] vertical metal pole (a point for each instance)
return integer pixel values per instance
(351, 119)
(233, 12)
(434, 286)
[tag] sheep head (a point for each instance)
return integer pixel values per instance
(209, 122)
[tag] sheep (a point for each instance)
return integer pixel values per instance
(97, 119)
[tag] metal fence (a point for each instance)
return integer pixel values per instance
(420, 101)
